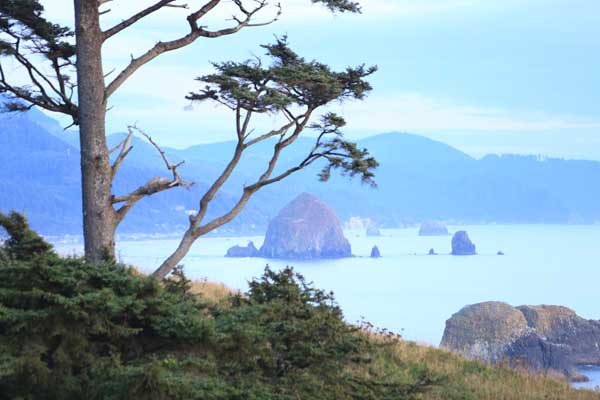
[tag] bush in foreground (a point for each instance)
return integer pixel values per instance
(70, 330)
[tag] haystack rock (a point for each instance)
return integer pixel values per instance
(306, 228)
(433, 228)
(242, 252)
(540, 338)
(462, 245)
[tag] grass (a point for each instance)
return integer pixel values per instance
(211, 291)
(463, 379)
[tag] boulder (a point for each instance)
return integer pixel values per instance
(242, 252)
(373, 230)
(433, 228)
(484, 331)
(462, 245)
(562, 325)
(306, 228)
(375, 252)
(539, 338)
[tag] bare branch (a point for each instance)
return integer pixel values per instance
(171, 167)
(135, 18)
(126, 147)
(154, 185)
(196, 32)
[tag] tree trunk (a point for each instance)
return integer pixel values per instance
(174, 259)
(99, 220)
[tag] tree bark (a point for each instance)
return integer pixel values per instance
(99, 219)
(174, 259)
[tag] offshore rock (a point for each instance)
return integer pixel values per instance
(306, 228)
(242, 252)
(462, 245)
(373, 230)
(433, 228)
(539, 338)
(375, 253)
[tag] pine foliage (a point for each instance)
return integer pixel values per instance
(71, 330)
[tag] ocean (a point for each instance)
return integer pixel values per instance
(409, 292)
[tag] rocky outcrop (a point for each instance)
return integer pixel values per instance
(433, 228)
(373, 230)
(432, 252)
(462, 245)
(306, 228)
(540, 338)
(242, 252)
(375, 253)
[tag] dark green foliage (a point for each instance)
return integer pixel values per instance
(31, 41)
(340, 5)
(295, 89)
(23, 243)
(70, 330)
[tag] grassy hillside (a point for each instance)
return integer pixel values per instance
(70, 330)
(459, 379)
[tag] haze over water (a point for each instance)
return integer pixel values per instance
(409, 292)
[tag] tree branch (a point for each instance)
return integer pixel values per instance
(154, 185)
(135, 18)
(196, 32)
(126, 147)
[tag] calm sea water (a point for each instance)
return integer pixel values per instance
(409, 292)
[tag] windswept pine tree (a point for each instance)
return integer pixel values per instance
(64, 68)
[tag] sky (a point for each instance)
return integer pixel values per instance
(516, 76)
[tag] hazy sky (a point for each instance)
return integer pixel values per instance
(519, 76)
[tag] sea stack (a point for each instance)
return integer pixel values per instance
(375, 253)
(433, 228)
(242, 252)
(305, 229)
(462, 245)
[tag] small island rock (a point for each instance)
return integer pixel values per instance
(242, 252)
(306, 228)
(373, 230)
(462, 245)
(375, 253)
(433, 228)
(432, 252)
(540, 338)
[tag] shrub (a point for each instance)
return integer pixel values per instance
(70, 330)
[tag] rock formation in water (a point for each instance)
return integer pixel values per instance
(432, 252)
(462, 245)
(375, 253)
(433, 228)
(540, 338)
(373, 230)
(306, 228)
(500, 253)
(242, 252)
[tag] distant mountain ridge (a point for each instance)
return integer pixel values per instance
(418, 179)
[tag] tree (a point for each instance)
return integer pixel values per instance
(65, 74)
(295, 89)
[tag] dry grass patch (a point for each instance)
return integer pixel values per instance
(474, 380)
(212, 291)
